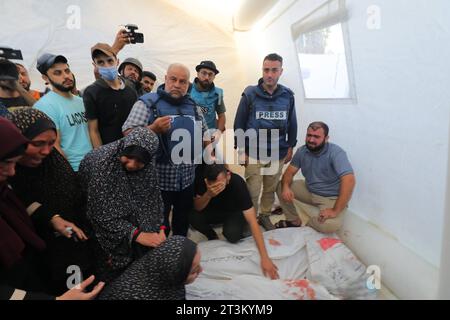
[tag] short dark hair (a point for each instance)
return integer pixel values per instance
(274, 57)
(212, 171)
(149, 74)
(319, 124)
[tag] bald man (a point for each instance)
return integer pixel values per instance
(179, 123)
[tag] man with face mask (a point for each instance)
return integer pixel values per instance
(328, 184)
(65, 109)
(108, 100)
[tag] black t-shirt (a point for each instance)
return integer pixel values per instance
(14, 102)
(110, 107)
(235, 197)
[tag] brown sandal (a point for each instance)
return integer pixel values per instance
(277, 211)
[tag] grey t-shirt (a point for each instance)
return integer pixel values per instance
(323, 171)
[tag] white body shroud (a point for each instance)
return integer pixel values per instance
(311, 265)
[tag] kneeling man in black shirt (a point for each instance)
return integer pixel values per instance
(222, 197)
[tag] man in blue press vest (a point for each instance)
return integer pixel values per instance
(208, 96)
(172, 114)
(265, 131)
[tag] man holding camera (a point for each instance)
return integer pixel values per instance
(108, 100)
(131, 68)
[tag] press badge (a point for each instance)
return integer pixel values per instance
(271, 115)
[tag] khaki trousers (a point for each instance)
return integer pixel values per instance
(266, 176)
(310, 204)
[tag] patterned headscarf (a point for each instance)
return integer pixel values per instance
(31, 121)
(159, 275)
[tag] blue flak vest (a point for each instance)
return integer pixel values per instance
(207, 101)
(184, 117)
(269, 112)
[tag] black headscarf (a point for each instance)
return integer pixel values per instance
(138, 153)
(159, 275)
(120, 201)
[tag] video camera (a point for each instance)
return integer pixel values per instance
(10, 54)
(136, 37)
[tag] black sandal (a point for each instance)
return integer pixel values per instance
(286, 224)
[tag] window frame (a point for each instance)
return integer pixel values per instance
(352, 98)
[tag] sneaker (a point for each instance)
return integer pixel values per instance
(265, 222)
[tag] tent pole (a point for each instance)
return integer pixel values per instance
(444, 270)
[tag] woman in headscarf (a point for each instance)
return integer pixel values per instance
(16, 229)
(49, 188)
(124, 202)
(20, 245)
(159, 275)
(21, 266)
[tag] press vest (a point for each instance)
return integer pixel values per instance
(183, 117)
(207, 101)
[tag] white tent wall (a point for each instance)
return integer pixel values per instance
(171, 35)
(396, 134)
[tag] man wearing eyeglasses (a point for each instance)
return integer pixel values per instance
(209, 97)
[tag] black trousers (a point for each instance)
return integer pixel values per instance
(234, 224)
(181, 203)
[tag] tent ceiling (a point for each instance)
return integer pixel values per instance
(228, 15)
